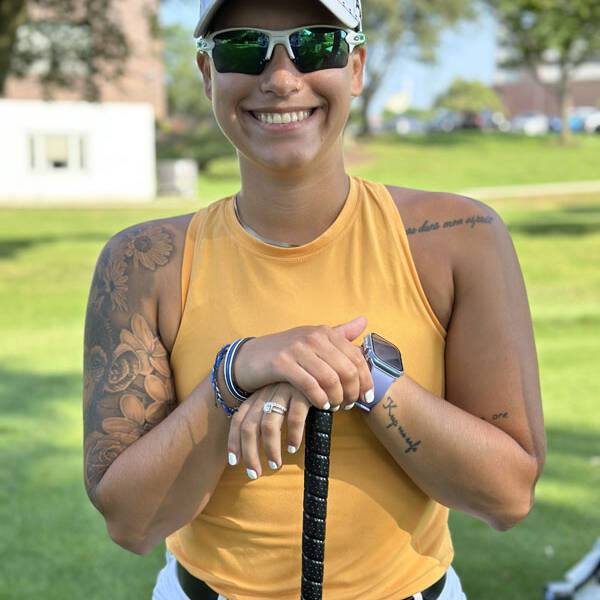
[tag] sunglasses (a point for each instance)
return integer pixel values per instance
(247, 51)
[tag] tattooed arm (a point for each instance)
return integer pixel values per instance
(150, 466)
(481, 450)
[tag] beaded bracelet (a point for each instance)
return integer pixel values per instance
(239, 394)
(213, 379)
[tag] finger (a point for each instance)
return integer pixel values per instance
(234, 442)
(363, 379)
(250, 433)
(300, 378)
(341, 356)
(271, 424)
(320, 363)
(296, 420)
(352, 329)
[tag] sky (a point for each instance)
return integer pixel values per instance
(467, 51)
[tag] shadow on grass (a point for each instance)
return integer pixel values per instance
(26, 393)
(11, 247)
(557, 228)
(574, 220)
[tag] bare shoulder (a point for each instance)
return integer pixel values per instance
(426, 212)
(444, 232)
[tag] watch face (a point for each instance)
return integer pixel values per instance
(386, 352)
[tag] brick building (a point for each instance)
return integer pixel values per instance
(68, 150)
(521, 92)
(143, 77)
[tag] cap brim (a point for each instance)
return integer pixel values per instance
(334, 6)
(206, 18)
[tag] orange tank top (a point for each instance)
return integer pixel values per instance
(385, 538)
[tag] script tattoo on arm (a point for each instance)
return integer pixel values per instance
(471, 221)
(128, 387)
(389, 405)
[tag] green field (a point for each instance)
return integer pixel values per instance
(54, 545)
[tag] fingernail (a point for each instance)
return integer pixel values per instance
(252, 473)
(370, 396)
(273, 465)
(292, 449)
(335, 408)
(349, 406)
(232, 459)
(326, 406)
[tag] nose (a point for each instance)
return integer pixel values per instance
(280, 76)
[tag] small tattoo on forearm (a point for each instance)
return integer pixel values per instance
(497, 416)
(471, 221)
(411, 446)
(501, 415)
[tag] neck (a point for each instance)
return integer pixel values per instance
(293, 207)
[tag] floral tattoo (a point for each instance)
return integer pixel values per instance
(127, 379)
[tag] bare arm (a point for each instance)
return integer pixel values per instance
(482, 449)
(149, 466)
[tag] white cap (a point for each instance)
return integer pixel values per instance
(349, 12)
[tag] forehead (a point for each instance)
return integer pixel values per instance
(272, 14)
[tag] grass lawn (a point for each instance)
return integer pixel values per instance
(451, 163)
(54, 545)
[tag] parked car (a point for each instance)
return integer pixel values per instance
(407, 125)
(578, 117)
(592, 122)
(445, 121)
(530, 123)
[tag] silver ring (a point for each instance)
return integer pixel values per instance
(270, 407)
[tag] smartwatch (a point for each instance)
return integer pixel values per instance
(385, 362)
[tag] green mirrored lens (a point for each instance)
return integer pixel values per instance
(240, 51)
(319, 48)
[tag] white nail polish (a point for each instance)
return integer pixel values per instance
(349, 406)
(370, 396)
(232, 459)
(335, 408)
(326, 406)
(273, 465)
(292, 449)
(252, 473)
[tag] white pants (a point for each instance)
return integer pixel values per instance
(168, 588)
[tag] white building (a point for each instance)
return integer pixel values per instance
(76, 151)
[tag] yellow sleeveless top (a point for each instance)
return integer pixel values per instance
(385, 538)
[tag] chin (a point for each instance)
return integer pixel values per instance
(282, 161)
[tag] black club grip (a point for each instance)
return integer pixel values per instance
(316, 480)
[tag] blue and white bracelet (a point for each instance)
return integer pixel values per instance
(239, 394)
(227, 353)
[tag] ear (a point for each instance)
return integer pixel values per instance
(358, 58)
(203, 62)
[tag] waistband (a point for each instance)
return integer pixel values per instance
(196, 589)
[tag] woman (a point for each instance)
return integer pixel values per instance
(299, 261)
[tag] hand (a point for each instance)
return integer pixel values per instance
(321, 362)
(250, 423)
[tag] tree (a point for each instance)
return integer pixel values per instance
(191, 131)
(66, 43)
(561, 33)
(185, 91)
(468, 98)
(393, 26)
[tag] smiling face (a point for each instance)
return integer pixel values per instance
(282, 119)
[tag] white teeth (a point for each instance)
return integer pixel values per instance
(290, 117)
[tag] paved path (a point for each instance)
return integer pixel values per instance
(534, 189)
(483, 193)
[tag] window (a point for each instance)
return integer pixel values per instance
(57, 152)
